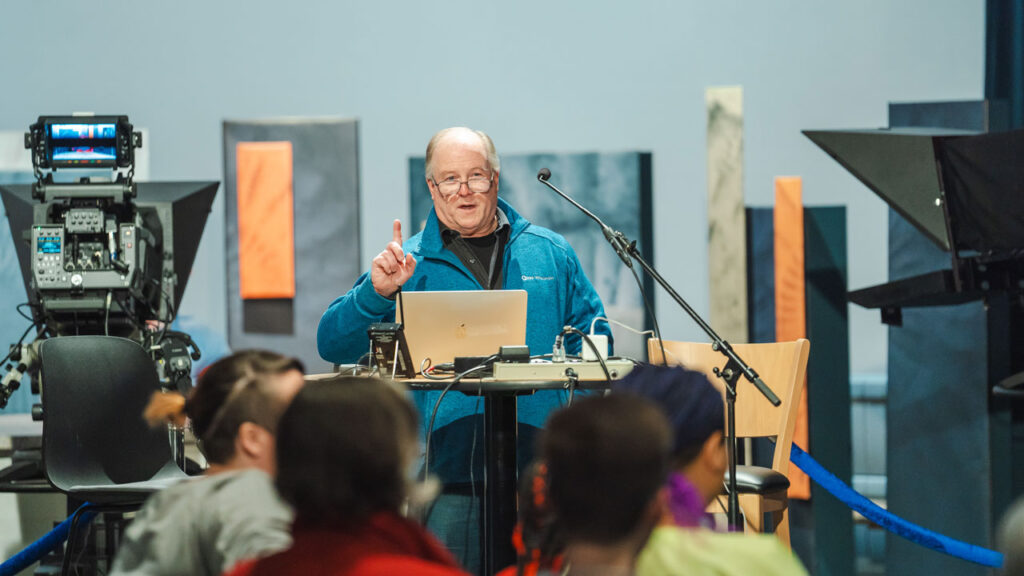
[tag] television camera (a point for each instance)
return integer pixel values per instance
(98, 258)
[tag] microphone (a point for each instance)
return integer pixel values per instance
(618, 241)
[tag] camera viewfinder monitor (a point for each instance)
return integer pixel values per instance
(82, 142)
(82, 145)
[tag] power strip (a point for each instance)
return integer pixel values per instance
(549, 371)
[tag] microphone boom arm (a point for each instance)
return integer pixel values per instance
(616, 239)
(734, 365)
(628, 252)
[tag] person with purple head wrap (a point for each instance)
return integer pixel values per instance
(694, 409)
(684, 543)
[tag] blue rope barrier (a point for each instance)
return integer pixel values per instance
(36, 550)
(891, 522)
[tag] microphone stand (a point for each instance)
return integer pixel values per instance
(734, 365)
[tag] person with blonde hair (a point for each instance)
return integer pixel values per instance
(205, 525)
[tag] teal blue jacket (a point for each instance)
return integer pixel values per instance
(535, 259)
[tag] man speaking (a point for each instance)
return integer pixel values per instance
(472, 241)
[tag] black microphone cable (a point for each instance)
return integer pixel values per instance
(574, 381)
(22, 313)
(574, 378)
(433, 413)
(472, 475)
(21, 340)
(654, 319)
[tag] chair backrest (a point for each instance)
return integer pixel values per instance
(781, 365)
(94, 389)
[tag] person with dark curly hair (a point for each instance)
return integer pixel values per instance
(606, 460)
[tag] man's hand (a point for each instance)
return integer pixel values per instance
(392, 267)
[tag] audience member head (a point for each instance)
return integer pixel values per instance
(607, 459)
(696, 414)
(344, 447)
(235, 407)
(1010, 538)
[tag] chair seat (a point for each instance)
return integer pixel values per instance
(128, 492)
(758, 480)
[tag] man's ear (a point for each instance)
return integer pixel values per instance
(431, 188)
(252, 440)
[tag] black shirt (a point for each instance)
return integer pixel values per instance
(481, 255)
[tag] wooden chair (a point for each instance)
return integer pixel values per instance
(783, 367)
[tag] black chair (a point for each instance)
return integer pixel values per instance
(96, 446)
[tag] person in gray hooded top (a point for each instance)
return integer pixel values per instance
(205, 525)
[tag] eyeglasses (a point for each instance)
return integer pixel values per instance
(477, 183)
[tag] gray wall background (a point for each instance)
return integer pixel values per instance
(571, 76)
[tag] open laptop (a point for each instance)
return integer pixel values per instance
(445, 324)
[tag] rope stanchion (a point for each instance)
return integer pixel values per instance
(36, 550)
(891, 522)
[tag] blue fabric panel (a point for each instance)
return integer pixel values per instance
(937, 420)
(828, 381)
(761, 318)
(761, 274)
(1004, 56)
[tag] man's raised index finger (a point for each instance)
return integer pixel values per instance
(396, 234)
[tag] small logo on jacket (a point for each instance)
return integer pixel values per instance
(540, 278)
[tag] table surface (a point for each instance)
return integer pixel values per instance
(487, 384)
(19, 425)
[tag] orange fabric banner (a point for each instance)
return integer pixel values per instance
(790, 299)
(266, 235)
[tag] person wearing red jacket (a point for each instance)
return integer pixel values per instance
(344, 446)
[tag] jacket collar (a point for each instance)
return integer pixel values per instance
(431, 243)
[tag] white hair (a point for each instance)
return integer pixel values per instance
(492, 154)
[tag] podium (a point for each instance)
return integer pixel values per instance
(500, 505)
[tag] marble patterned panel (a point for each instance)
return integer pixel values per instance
(727, 254)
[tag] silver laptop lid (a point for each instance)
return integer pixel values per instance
(445, 324)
